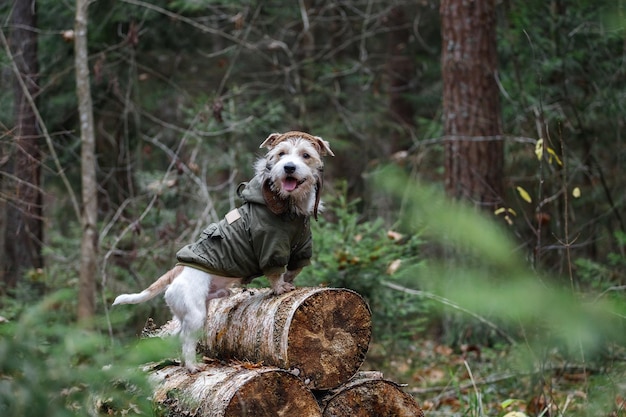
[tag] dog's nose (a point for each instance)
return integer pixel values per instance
(290, 168)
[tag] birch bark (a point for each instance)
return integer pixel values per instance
(89, 242)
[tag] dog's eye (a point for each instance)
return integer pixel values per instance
(281, 154)
(306, 156)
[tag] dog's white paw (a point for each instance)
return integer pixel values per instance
(192, 368)
(283, 287)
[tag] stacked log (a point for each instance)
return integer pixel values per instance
(367, 394)
(232, 391)
(320, 334)
(281, 350)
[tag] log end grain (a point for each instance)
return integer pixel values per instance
(229, 391)
(329, 336)
(371, 398)
(273, 394)
(319, 334)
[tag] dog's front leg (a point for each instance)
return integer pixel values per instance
(290, 275)
(282, 283)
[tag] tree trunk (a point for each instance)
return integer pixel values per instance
(89, 242)
(23, 230)
(319, 334)
(368, 395)
(474, 157)
(221, 391)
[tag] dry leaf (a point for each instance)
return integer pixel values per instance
(515, 414)
(553, 154)
(394, 266)
(539, 149)
(524, 194)
(395, 236)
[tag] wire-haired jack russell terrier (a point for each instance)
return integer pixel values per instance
(268, 235)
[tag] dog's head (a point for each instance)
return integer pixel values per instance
(293, 169)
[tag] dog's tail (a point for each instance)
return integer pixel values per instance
(152, 291)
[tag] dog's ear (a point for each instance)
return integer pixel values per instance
(318, 193)
(323, 146)
(270, 142)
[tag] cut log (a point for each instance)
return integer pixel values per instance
(229, 391)
(369, 395)
(318, 334)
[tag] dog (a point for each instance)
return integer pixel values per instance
(268, 235)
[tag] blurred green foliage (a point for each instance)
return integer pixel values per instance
(360, 254)
(483, 275)
(50, 367)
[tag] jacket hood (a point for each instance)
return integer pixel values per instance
(252, 191)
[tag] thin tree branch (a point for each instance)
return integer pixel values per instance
(608, 290)
(191, 22)
(42, 126)
(449, 303)
(21, 181)
(235, 57)
(132, 225)
(446, 391)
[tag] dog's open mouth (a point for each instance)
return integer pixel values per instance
(290, 183)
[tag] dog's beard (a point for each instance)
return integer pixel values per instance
(301, 200)
(292, 188)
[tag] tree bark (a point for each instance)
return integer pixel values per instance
(22, 226)
(221, 391)
(471, 106)
(368, 395)
(89, 242)
(319, 334)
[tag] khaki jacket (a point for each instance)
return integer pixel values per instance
(251, 240)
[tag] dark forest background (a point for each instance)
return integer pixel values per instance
(476, 198)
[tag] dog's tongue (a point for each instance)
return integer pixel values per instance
(290, 184)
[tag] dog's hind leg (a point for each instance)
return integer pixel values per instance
(191, 326)
(186, 297)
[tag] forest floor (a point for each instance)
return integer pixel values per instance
(478, 381)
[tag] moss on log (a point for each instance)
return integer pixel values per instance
(318, 334)
(229, 391)
(368, 395)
